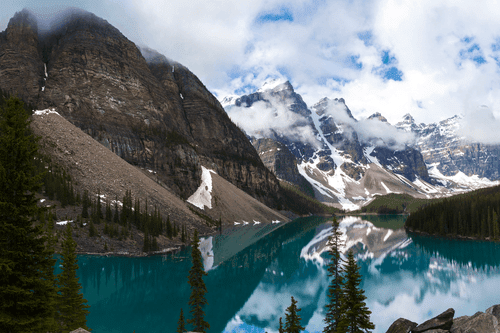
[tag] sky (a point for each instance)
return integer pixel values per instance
(430, 58)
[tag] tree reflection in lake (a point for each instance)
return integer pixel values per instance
(412, 277)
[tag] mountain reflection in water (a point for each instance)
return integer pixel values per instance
(253, 274)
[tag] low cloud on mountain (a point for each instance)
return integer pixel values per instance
(370, 131)
(480, 125)
(264, 118)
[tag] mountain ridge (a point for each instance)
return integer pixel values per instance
(349, 163)
(156, 115)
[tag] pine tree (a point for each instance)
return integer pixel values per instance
(333, 314)
(181, 326)
(27, 291)
(85, 204)
(356, 314)
(183, 234)
(72, 306)
(281, 330)
(109, 214)
(292, 318)
(197, 299)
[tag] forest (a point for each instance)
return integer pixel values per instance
(474, 214)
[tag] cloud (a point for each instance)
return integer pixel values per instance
(271, 116)
(370, 131)
(440, 50)
(480, 126)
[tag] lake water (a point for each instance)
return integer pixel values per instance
(408, 276)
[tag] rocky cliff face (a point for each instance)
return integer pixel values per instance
(448, 153)
(278, 158)
(153, 113)
(21, 66)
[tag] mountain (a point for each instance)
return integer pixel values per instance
(345, 163)
(450, 157)
(151, 111)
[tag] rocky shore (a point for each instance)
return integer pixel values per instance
(480, 322)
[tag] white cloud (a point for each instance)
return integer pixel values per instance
(433, 42)
(370, 130)
(262, 117)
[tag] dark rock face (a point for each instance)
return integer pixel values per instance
(278, 158)
(21, 66)
(155, 114)
(401, 326)
(408, 162)
(444, 321)
(441, 145)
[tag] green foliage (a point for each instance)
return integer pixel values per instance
(181, 325)
(92, 229)
(355, 313)
(27, 291)
(333, 307)
(150, 242)
(281, 329)
(71, 305)
(197, 300)
(292, 318)
(474, 214)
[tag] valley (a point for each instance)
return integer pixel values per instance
(134, 157)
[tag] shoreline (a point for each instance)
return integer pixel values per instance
(450, 236)
(127, 254)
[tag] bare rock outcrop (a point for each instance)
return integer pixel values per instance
(480, 322)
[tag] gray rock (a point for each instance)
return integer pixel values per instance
(443, 321)
(479, 323)
(437, 331)
(401, 326)
(494, 310)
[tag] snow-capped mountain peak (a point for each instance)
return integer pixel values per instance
(379, 117)
(275, 84)
(228, 100)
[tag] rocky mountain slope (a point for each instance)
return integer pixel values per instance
(345, 166)
(153, 113)
(450, 157)
(96, 169)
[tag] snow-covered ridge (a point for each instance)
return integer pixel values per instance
(271, 84)
(203, 195)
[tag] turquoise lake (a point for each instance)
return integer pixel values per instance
(254, 270)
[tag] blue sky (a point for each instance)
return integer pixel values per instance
(431, 58)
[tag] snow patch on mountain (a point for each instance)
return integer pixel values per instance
(461, 179)
(203, 195)
(45, 112)
(271, 84)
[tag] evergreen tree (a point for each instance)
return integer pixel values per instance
(197, 299)
(109, 214)
(183, 234)
(292, 318)
(27, 290)
(116, 216)
(72, 306)
(85, 204)
(333, 314)
(356, 316)
(281, 330)
(181, 326)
